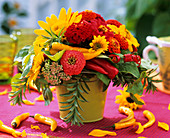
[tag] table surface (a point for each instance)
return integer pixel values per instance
(156, 103)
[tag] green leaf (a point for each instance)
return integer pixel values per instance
(55, 57)
(103, 78)
(71, 89)
(135, 99)
(47, 94)
(6, 8)
(102, 56)
(14, 80)
(22, 13)
(21, 54)
(28, 65)
(129, 67)
(136, 88)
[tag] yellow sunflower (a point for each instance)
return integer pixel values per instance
(55, 25)
(125, 100)
(38, 59)
(99, 43)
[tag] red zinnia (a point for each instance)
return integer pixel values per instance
(122, 41)
(113, 22)
(73, 62)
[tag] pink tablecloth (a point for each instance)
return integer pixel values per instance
(157, 103)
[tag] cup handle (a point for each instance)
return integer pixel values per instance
(149, 48)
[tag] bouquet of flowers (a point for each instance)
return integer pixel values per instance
(78, 46)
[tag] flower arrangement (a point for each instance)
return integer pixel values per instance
(78, 46)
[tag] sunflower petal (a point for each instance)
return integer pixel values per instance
(43, 25)
(62, 15)
(101, 133)
(41, 32)
(73, 17)
(53, 19)
(163, 125)
(169, 107)
(69, 14)
(78, 19)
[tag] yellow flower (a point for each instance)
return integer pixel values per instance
(125, 100)
(99, 43)
(114, 29)
(55, 24)
(131, 38)
(38, 59)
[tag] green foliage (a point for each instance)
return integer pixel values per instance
(21, 54)
(18, 89)
(75, 90)
(148, 17)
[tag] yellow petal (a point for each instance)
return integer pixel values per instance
(44, 135)
(69, 14)
(73, 17)
(62, 15)
(140, 128)
(78, 19)
(101, 133)
(39, 98)
(169, 107)
(142, 137)
(24, 134)
(54, 18)
(28, 102)
(35, 127)
(163, 125)
(43, 25)
(4, 92)
(41, 32)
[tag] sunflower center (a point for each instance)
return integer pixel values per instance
(130, 100)
(96, 46)
(71, 60)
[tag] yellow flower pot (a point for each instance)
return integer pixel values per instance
(93, 109)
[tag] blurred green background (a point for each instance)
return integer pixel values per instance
(148, 17)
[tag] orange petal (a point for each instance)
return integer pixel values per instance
(101, 133)
(163, 125)
(140, 128)
(4, 92)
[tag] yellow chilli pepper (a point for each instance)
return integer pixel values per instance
(9, 130)
(122, 125)
(149, 115)
(45, 120)
(59, 46)
(17, 120)
(126, 111)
